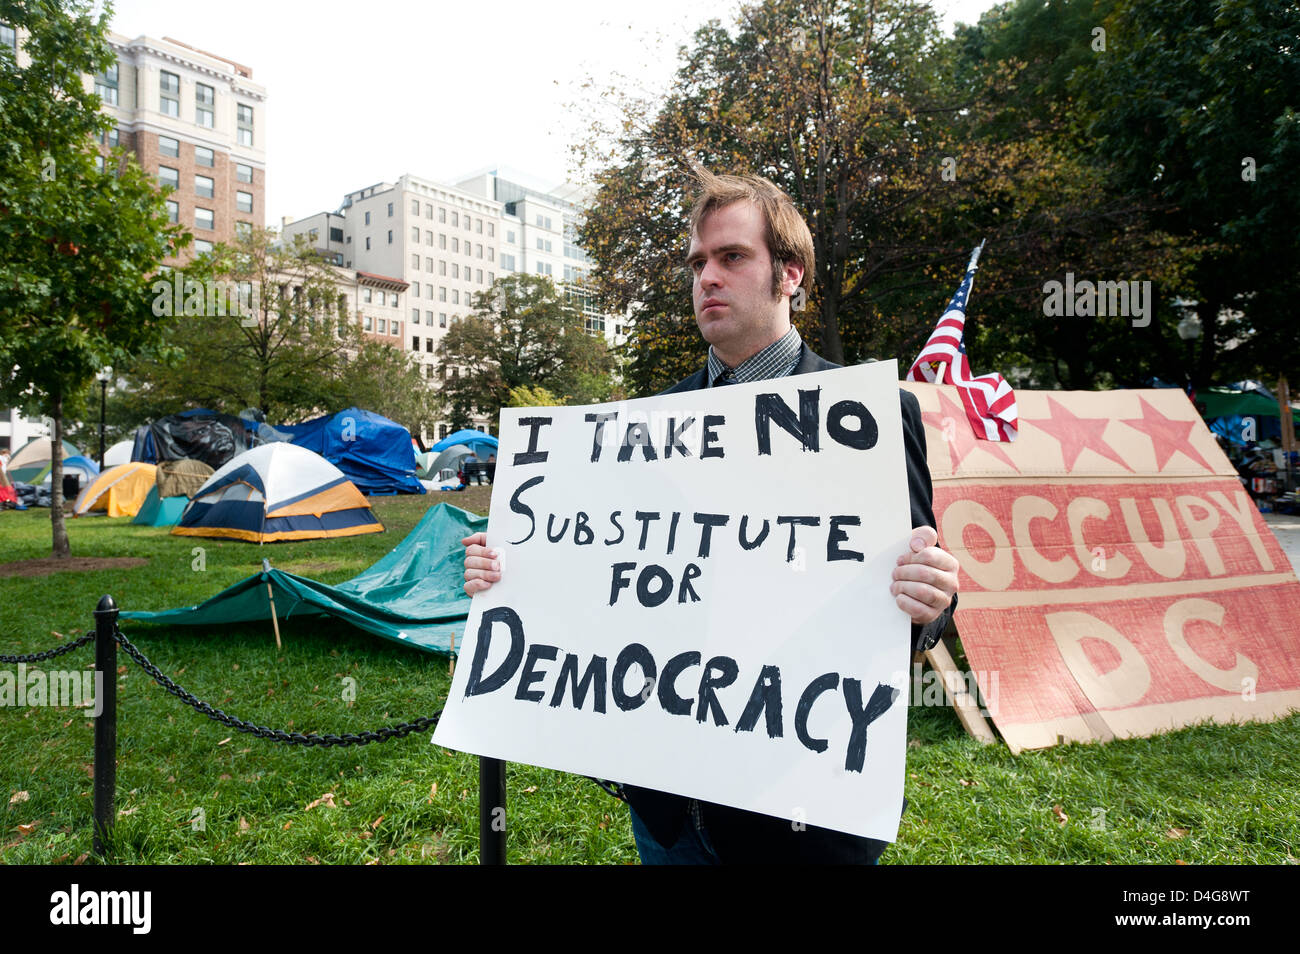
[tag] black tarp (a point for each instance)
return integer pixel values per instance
(199, 434)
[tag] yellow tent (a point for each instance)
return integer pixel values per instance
(119, 490)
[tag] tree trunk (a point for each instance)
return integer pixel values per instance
(60, 530)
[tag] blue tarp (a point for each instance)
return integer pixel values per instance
(413, 595)
(481, 444)
(372, 451)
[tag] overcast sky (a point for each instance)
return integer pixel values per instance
(362, 92)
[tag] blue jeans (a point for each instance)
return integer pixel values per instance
(691, 848)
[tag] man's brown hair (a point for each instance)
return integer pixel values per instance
(784, 229)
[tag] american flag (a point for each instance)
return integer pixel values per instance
(989, 401)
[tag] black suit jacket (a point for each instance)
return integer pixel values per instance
(741, 836)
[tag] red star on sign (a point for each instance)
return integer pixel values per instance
(955, 430)
(1077, 434)
(1168, 436)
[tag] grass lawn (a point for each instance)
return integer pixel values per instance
(191, 791)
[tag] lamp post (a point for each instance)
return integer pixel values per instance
(1189, 329)
(104, 375)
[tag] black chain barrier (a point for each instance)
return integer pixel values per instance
(51, 653)
(261, 732)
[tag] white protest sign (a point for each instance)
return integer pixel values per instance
(695, 598)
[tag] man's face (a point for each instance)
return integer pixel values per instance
(732, 289)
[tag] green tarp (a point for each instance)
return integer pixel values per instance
(413, 595)
(1221, 403)
(160, 511)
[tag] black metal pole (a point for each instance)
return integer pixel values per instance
(106, 723)
(491, 811)
(103, 400)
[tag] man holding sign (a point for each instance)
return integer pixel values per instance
(803, 626)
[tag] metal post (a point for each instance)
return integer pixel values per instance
(103, 400)
(491, 811)
(106, 724)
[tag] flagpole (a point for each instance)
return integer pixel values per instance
(972, 265)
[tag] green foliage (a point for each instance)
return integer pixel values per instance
(537, 396)
(297, 352)
(80, 245)
(522, 333)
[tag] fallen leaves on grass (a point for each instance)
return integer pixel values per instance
(225, 740)
(26, 830)
(243, 824)
(1176, 833)
(433, 791)
(327, 800)
(375, 824)
(1060, 814)
(530, 789)
(17, 797)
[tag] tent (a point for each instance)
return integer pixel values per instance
(277, 492)
(119, 453)
(449, 459)
(371, 451)
(83, 468)
(31, 464)
(413, 595)
(481, 444)
(199, 434)
(182, 478)
(119, 491)
(423, 463)
(157, 511)
(1242, 417)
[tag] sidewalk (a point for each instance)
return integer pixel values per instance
(1286, 528)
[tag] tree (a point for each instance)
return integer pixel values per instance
(263, 325)
(522, 333)
(80, 242)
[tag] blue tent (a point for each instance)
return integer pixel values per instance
(372, 451)
(481, 444)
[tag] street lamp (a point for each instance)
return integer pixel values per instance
(1189, 329)
(104, 376)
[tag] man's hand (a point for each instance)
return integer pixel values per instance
(482, 568)
(924, 580)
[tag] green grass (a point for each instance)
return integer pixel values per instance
(1235, 790)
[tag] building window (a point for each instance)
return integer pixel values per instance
(203, 187)
(173, 211)
(383, 299)
(467, 223)
(491, 278)
(478, 275)
(367, 243)
(415, 342)
(428, 210)
(169, 88)
(202, 246)
(428, 345)
(415, 316)
(244, 202)
(442, 215)
(395, 300)
(204, 157)
(336, 235)
(442, 267)
(244, 120)
(168, 146)
(507, 262)
(492, 230)
(455, 245)
(415, 208)
(510, 237)
(442, 240)
(105, 83)
(367, 218)
(415, 292)
(478, 251)
(390, 236)
(428, 320)
(383, 326)
(455, 270)
(99, 163)
(365, 295)
(442, 323)
(8, 37)
(245, 174)
(168, 176)
(479, 227)
(365, 322)
(455, 296)
(415, 261)
(442, 293)
(204, 98)
(455, 218)
(203, 219)
(415, 234)
(245, 229)
(428, 237)
(491, 254)
(428, 292)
